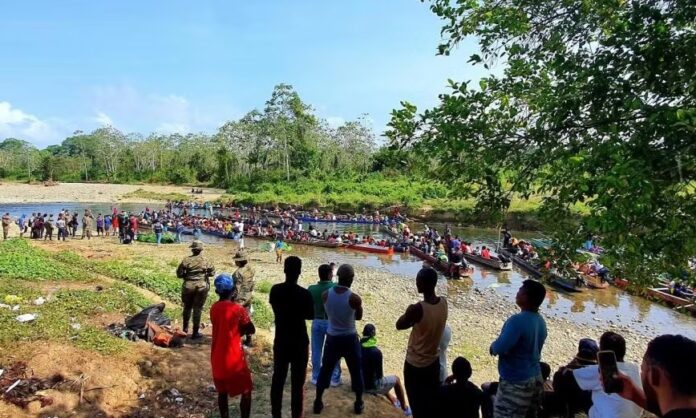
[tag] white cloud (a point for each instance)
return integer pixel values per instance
(103, 119)
(146, 112)
(16, 123)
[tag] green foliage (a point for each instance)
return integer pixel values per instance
(349, 194)
(263, 286)
(263, 314)
(19, 260)
(145, 273)
(65, 308)
(151, 238)
(595, 106)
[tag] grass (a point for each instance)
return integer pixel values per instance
(263, 314)
(19, 260)
(146, 194)
(264, 286)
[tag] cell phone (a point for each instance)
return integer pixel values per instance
(609, 369)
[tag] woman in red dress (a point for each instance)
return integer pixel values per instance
(230, 321)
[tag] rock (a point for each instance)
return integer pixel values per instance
(174, 392)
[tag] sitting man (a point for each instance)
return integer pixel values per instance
(375, 381)
(458, 397)
(571, 398)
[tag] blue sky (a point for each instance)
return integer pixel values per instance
(167, 66)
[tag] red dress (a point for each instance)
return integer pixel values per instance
(231, 374)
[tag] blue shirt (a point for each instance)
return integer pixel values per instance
(519, 347)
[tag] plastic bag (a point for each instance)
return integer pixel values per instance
(154, 314)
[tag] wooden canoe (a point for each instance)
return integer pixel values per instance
(493, 262)
(369, 248)
(314, 242)
(524, 264)
(595, 282)
(662, 293)
(443, 267)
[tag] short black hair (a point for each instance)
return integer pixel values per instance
(676, 356)
(325, 272)
(613, 342)
(429, 277)
(536, 292)
(461, 369)
(293, 266)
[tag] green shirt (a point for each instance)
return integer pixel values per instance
(317, 290)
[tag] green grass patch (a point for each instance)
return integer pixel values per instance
(146, 194)
(151, 238)
(145, 273)
(20, 260)
(67, 307)
(264, 286)
(263, 314)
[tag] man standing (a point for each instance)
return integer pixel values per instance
(87, 225)
(519, 349)
(422, 366)
(343, 307)
(48, 227)
(320, 324)
(195, 270)
(667, 373)
(61, 225)
(292, 305)
(6, 221)
(244, 285)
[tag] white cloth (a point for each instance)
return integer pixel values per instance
(606, 405)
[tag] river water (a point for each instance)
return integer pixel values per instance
(589, 307)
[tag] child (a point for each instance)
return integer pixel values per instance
(279, 246)
(230, 321)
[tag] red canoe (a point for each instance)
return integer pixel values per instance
(369, 248)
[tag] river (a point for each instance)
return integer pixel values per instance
(589, 307)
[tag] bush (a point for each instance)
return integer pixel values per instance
(150, 237)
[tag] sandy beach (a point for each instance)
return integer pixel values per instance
(92, 192)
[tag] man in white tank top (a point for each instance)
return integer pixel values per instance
(343, 308)
(422, 366)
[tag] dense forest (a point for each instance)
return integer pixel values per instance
(285, 140)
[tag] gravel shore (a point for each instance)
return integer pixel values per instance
(475, 316)
(89, 192)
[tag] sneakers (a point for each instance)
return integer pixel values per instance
(408, 411)
(335, 384)
(313, 381)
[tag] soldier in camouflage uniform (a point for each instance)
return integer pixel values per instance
(244, 284)
(195, 270)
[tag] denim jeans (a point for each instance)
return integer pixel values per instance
(319, 327)
(178, 236)
(159, 237)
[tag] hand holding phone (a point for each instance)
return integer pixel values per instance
(609, 372)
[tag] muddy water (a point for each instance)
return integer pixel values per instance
(589, 307)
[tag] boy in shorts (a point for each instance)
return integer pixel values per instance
(375, 381)
(231, 374)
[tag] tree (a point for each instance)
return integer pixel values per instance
(596, 106)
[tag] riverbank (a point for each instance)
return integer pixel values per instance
(147, 272)
(98, 193)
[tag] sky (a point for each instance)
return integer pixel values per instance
(181, 66)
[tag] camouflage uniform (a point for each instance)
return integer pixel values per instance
(244, 283)
(195, 271)
(6, 221)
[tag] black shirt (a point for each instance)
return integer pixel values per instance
(371, 366)
(292, 305)
(681, 413)
(456, 257)
(460, 400)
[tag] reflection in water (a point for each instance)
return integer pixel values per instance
(588, 307)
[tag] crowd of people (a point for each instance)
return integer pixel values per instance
(663, 385)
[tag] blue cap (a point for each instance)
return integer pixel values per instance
(224, 282)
